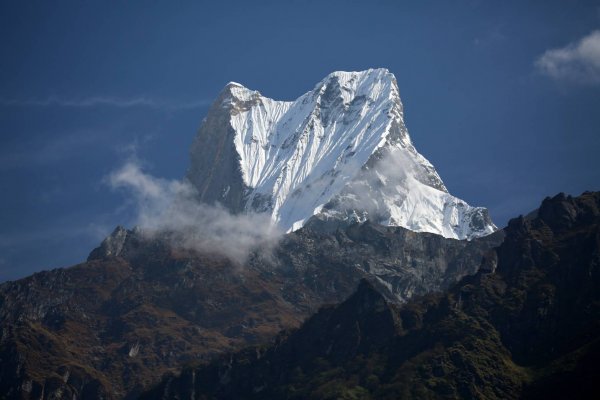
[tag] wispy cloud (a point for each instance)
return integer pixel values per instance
(169, 209)
(105, 101)
(577, 62)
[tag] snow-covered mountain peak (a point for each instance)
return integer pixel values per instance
(235, 92)
(340, 150)
(350, 78)
(370, 83)
(232, 83)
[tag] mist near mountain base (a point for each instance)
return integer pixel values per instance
(170, 208)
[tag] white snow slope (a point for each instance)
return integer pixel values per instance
(342, 151)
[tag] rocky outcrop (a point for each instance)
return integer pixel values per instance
(113, 245)
(403, 263)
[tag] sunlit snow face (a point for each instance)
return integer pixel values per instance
(343, 142)
(302, 153)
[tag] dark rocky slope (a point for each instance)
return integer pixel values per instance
(138, 308)
(527, 325)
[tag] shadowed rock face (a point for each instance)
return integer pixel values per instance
(404, 263)
(138, 308)
(526, 326)
(214, 162)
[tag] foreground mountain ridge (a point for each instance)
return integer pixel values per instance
(340, 151)
(526, 326)
(141, 306)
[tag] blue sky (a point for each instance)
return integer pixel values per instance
(502, 97)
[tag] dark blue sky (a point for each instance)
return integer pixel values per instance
(86, 85)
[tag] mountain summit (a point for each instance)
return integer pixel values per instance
(340, 151)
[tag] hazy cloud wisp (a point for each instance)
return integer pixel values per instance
(362, 197)
(105, 101)
(577, 62)
(171, 207)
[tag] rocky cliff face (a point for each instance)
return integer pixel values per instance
(527, 325)
(340, 150)
(138, 308)
(213, 170)
(403, 263)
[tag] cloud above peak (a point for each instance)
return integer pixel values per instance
(577, 62)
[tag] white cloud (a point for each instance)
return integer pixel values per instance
(577, 62)
(106, 101)
(170, 209)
